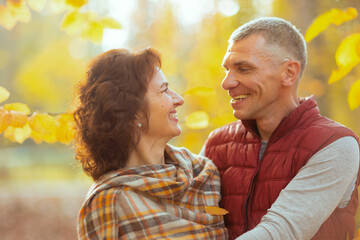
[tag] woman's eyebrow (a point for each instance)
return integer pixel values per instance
(164, 84)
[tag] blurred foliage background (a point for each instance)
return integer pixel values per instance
(45, 46)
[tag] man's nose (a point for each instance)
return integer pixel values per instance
(229, 81)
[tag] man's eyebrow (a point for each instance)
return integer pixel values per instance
(242, 63)
(236, 64)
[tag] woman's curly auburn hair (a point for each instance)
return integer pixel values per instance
(108, 103)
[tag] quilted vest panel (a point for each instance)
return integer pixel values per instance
(250, 187)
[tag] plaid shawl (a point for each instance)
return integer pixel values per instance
(155, 201)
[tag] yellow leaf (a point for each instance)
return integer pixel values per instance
(19, 10)
(108, 22)
(15, 2)
(51, 138)
(65, 130)
(200, 91)
(348, 52)
(18, 134)
(18, 119)
(6, 19)
(197, 120)
(5, 119)
(338, 74)
(18, 107)
(87, 24)
(216, 211)
(73, 23)
(354, 95)
(43, 124)
(37, 5)
(4, 94)
(334, 16)
(347, 56)
(76, 3)
(36, 137)
(93, 32)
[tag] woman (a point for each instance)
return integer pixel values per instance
(144, 188)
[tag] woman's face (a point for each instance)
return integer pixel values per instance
(162, 103)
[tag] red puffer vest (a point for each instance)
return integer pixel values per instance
(249, 187)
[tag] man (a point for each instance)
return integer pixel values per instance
(287, 172)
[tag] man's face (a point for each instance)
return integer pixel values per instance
(253, 77)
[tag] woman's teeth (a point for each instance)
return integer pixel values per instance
(173, 115)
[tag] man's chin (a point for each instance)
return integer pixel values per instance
(239, 115)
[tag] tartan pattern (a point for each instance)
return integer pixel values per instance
(155, 201)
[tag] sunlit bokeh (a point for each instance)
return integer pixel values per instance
(228, 7)
(264, 7)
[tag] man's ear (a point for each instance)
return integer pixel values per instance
(290, 73)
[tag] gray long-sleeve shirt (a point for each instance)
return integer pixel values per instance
(327, 181)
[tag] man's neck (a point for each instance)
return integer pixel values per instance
(267, 125)
(147, 151)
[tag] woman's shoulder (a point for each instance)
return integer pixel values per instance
(108, 203)
(104, 197)
(192, 161)
(183, 152)
(111, 204)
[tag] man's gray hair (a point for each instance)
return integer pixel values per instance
(276, 31)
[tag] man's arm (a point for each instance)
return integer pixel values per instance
(324, 183)
(202, 151)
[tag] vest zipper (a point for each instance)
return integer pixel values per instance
(248, 199)
(252, 188)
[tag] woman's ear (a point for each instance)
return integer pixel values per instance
(141, 120)
(290, 73)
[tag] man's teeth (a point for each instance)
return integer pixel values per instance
(241, 97)
(173, 115)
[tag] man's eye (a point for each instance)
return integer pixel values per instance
(165, 89)
(243, 69)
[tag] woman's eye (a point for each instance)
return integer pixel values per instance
(165, 89)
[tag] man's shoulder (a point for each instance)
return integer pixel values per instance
(316, 134)
(328, 127)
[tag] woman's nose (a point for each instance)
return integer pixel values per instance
(178, 100)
